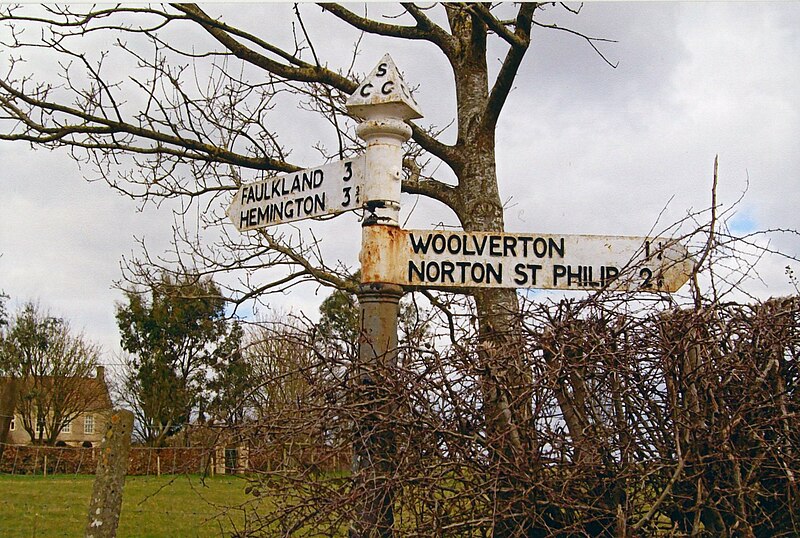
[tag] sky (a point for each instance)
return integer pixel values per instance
(582, 148)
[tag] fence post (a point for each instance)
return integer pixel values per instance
(106, 502)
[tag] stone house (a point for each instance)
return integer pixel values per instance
(88, 394)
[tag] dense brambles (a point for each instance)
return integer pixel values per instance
(679, 422)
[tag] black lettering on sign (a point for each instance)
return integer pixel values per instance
(477, 272)
(414, 270)
(439, 243)
(386, 89)
(540, 247)
(348, 167)
(296, 186)
(494, 245)
(558, 248)
(463, 267)
(465, 247)
(252, 193)
(545, 248)
(493, 272)
(432, 271)
(417, 244)
(466, 244)
(479, 247)
(608, 273)
(584, 276)
(448, 272)
(558, 272)
(283, 209)
(281, 186)
(523, 277)
(454, 244)
(659, 250)
(573, 275)
(509, 246)
(381, 71)
(647, 275)
(587, 276)
(365, 90)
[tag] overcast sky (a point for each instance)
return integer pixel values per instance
(582, 148)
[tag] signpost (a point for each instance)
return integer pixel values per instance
(393, 260)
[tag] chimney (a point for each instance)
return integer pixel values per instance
(101, 373)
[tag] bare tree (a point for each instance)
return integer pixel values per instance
(8, 393)
(54, 371)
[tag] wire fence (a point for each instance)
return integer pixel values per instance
(147, 461)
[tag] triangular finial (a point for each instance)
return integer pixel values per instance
(383, 92)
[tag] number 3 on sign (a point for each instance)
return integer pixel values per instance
(348, 198)
(348, 166)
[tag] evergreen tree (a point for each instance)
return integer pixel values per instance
(175, 333)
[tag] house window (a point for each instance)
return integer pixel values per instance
(67, 427)
(88, 424)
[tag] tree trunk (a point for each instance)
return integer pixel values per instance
(506, 380)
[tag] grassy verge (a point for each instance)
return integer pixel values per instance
(175, 506)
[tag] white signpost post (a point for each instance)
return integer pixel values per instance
(393, 260)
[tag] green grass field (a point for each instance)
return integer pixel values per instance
(169, 506)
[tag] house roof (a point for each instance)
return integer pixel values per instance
(94, 389)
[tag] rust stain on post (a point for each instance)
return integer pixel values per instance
(381, 250)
